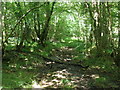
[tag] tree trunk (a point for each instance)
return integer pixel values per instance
(46, 27)
(99, 16)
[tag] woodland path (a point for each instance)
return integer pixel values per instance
(62, 75)
(50, 74)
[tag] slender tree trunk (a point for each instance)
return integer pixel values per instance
(117, 57)
(46, 27)
(37, 22)
(119, 25)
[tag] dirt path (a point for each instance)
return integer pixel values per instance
(61, 75)
(36, 71)
(48, 74)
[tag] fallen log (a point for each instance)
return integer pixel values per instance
(63, 62)
(53, 59)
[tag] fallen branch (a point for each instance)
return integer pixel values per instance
(56, 60)
(63, 62)
(52, 59)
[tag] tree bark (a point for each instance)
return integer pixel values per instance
(45, 29)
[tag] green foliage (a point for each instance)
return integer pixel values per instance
(66, 84)
(18, 72)
(65, 81)
(71, 28)
(109, 51)
(16, 79)
(102, 82)
(44, 53)
(104, 64)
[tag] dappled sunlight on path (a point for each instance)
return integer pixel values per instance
(69, 77)
(64, 75)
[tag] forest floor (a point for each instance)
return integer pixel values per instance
(64, 75)
(46, 74)
(72, 76)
